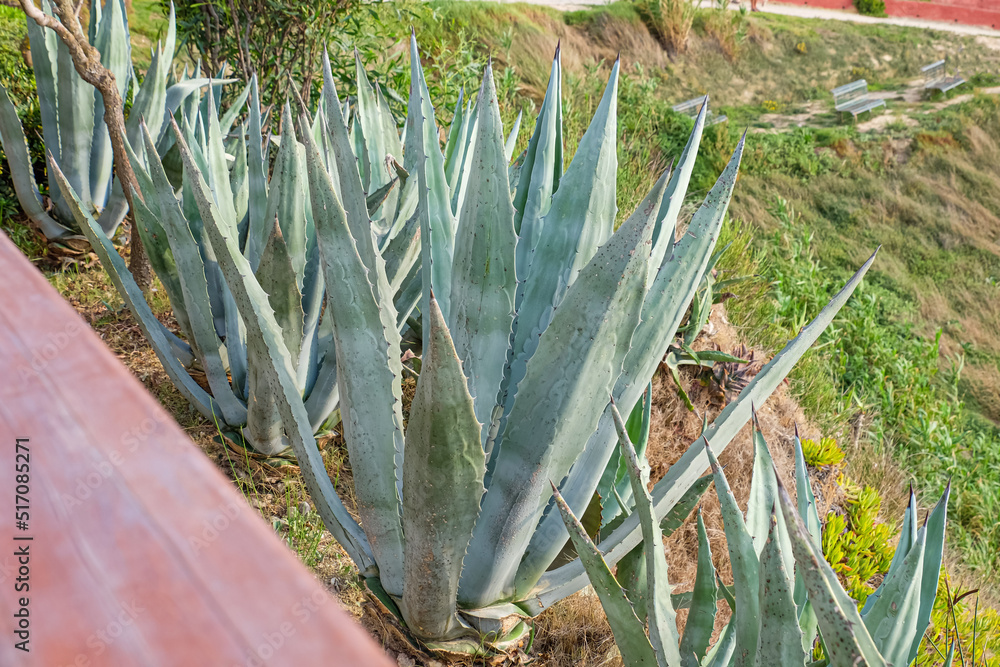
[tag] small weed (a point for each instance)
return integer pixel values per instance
(870, 7)
(956, 618)
(301, 530)
(862, 73)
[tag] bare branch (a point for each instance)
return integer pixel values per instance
(87, 61)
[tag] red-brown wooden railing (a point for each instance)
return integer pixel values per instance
(135, 550)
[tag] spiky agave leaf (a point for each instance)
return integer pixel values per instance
(437, 221)
(807, 510)
(630, 635)
(361, 338)
(779, 639)
(151, 327)
(194, 287)
(580, 218)
(22, 173)
(746, 571)
(846, 640)
(442, 486)
(662, 617)
(482, 278)
(263, 332)
(701, 619)
(577, 361)
(570, 578)
(663, 308)
(897, 623)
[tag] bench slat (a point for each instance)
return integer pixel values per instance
(137, 536)
(688, 105)
(871, 104)
(860, 84)
(945, 84)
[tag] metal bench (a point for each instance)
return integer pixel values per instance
(936, 77)
(853, 98)
(693, 106)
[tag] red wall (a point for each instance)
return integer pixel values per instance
(984, 13)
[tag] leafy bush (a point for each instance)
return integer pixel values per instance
(274, 39)
(870, 7)
(727, 28)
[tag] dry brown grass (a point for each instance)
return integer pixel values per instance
(725, 27)
(671, 20)
(575, 633)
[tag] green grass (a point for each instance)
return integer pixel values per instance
(19, 81)
(872, 363)
(301, 530)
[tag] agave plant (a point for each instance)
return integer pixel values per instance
(278, 238)
(783, 593)
(72, 115)
(533, 313)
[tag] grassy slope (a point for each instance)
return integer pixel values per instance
(926, 189)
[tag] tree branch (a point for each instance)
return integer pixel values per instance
(87, 61)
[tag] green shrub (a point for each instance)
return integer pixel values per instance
(870, 7)
(272, 38)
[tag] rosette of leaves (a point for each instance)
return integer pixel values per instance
(269, 211)
(72, 113)
(784, 593)
(533, 311)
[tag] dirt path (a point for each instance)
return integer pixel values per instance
(912, 95)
